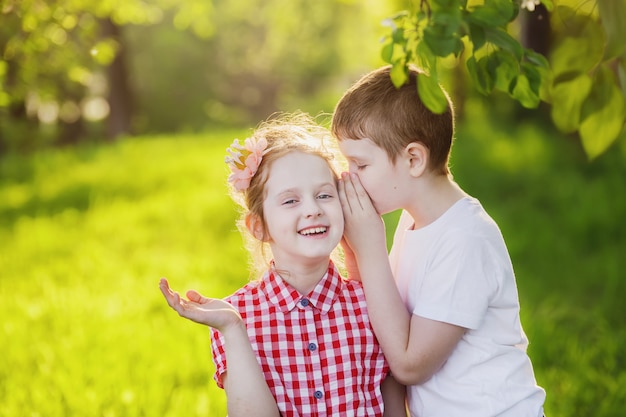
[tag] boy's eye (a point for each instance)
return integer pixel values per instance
(358, 166)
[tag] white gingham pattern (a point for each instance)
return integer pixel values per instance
(320, 358)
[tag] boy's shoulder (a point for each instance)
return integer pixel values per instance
(467, 215)
(466, 222)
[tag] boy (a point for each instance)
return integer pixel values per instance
(460, 346)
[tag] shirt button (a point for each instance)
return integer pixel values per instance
(312, 346)
(304, 302)
(318, 394)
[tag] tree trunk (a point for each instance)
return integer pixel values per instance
(535, 29)
(120, 96)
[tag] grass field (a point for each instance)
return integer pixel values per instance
(85, 234)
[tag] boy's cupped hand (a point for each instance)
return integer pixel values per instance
(364, 227)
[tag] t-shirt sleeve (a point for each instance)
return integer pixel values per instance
(219, 356)
(457, 282)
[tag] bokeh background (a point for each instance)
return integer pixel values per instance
(114, 119)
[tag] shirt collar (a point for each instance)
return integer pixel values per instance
(286, 298)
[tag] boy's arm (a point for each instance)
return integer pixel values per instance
(247, 392)
(415, 347)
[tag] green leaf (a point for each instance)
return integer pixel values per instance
(445, 23)
(533, 75)
(399, 73)
(479, 72)
(549, 4)
(492, 13)
(477, 36)
(504, 68)
(441, 46)
(442, 35)
(387, 52)
(397, 35)
(603, 115)
(431, 94)
(613, 20)
(522, 90)
(424, 57)
(503, 40)
(577, 46)
(536, 59)
(444, 5)
(580, 54)
(567, 100)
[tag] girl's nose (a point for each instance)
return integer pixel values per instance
(313, 209)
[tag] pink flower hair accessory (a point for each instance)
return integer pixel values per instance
(244, 161)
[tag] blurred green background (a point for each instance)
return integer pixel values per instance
(87, 230)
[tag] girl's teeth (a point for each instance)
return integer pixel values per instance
(314, 231)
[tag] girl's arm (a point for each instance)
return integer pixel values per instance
(247, 392)
(394, 397)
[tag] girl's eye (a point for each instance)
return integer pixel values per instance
(290, 201)
(324, 196)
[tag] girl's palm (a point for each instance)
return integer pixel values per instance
(210, 311)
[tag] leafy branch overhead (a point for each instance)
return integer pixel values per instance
(583, 76)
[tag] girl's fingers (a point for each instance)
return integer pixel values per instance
(172, 297)
(196, 297)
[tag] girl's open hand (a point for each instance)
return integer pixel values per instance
(212, 312)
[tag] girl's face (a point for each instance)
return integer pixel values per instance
(302, 210)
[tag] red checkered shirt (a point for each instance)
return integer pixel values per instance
(318, 352)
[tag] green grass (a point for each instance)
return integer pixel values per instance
(85, 234)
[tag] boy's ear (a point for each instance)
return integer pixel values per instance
(255, 227)
(417, 157)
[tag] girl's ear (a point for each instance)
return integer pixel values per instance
(255, 227)
(417, 157)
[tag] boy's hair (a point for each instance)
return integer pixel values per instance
(284, 133)
(392, 118)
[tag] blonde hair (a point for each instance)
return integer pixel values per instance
(284, 133)
(393, 117)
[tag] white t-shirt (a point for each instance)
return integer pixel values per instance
(457, 270)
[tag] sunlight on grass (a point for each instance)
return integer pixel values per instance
(90, 234)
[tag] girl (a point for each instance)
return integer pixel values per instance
(297, 342)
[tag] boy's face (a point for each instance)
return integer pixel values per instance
(381, 179)
(302, 210)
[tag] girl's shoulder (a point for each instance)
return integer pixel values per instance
(353, 289)
(352, 285)
(248, 292)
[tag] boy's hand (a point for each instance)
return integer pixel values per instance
(210, 311)
(364, 228)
